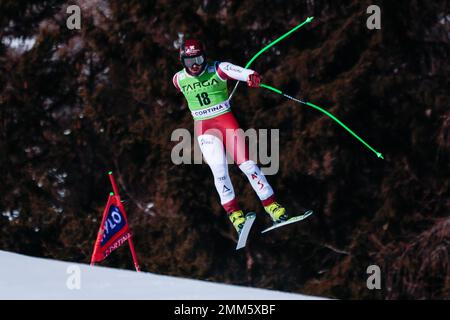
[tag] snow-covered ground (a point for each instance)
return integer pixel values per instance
(23, 277)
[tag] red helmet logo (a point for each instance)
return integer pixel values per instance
(191, 48)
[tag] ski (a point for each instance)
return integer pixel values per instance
(243, 235)
(289, 221)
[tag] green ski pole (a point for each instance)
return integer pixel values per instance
(260, 52)
(379, 155)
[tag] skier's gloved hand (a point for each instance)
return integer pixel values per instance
(254, 80)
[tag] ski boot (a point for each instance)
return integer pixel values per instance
(238, 220)
(277, 212)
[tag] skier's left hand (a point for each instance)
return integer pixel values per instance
(254, 80)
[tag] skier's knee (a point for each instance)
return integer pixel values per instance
(248, 167)
(219, 171)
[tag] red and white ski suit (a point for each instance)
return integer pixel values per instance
(222, 134)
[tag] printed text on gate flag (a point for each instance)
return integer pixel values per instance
(114, 230)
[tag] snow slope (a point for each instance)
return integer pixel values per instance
(23, 277)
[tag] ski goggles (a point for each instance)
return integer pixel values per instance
(188, 62)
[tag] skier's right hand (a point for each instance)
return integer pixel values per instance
(254, 80)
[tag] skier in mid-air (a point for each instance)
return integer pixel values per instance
(204, 85)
